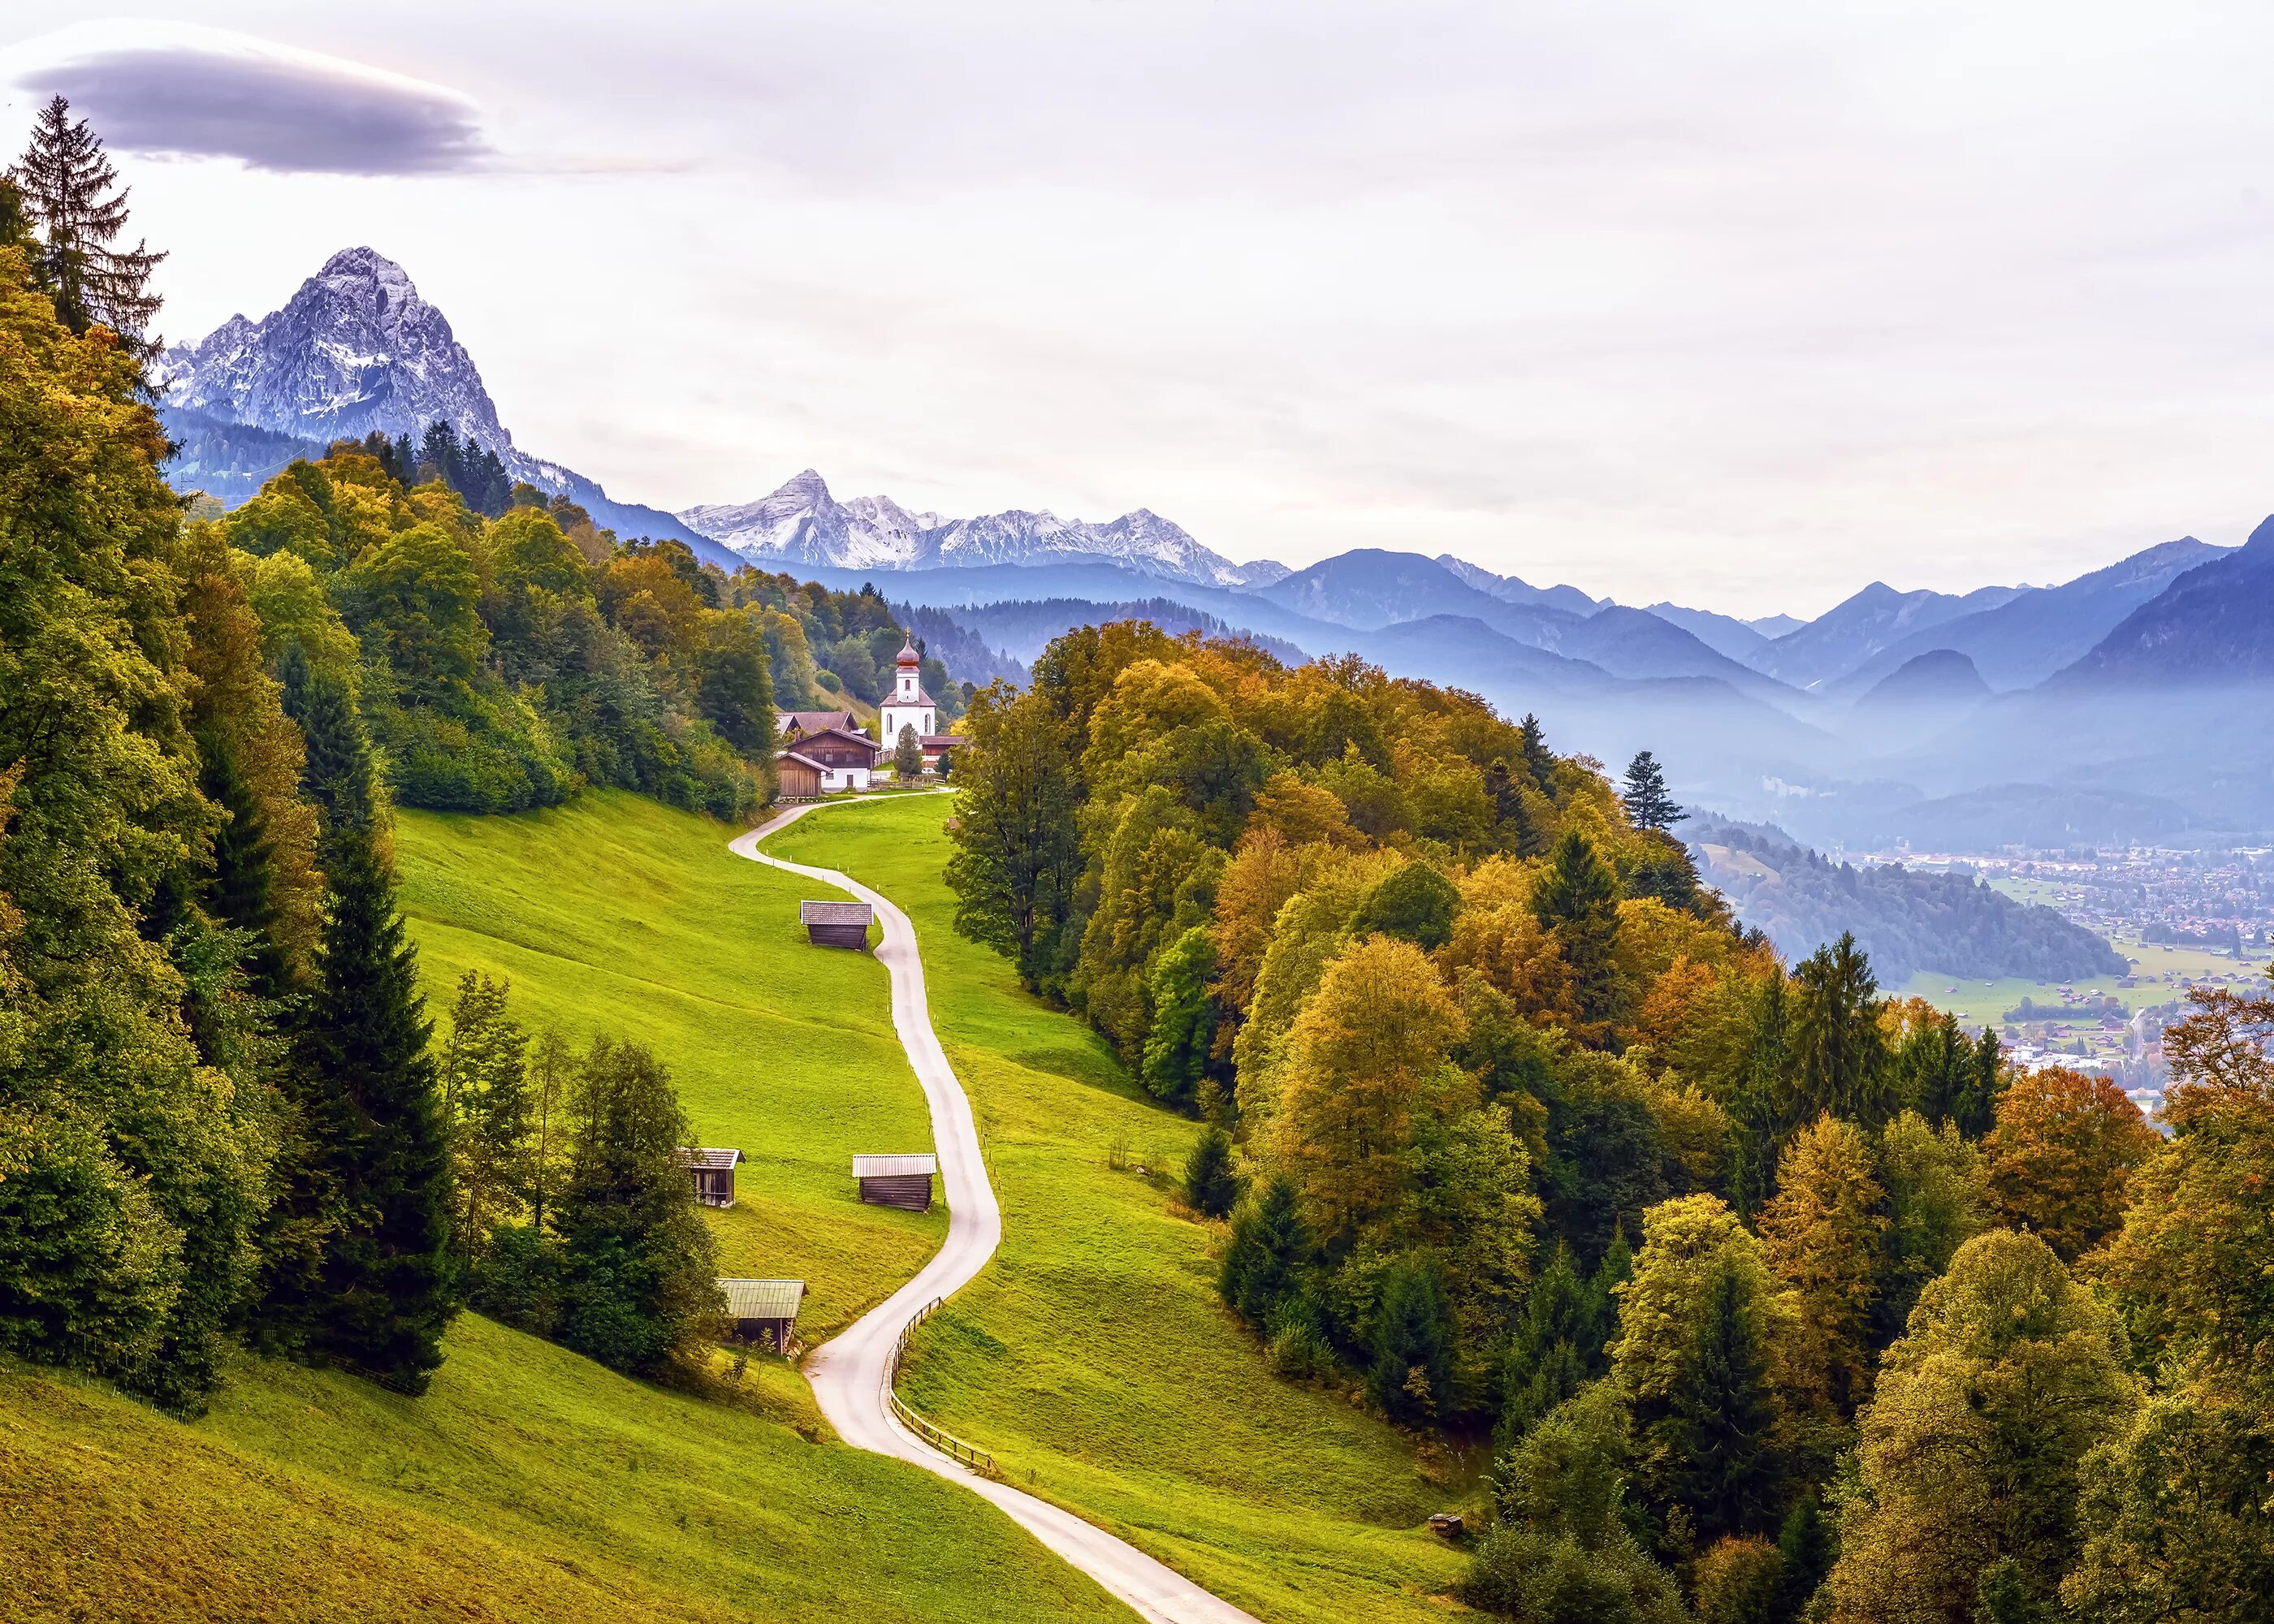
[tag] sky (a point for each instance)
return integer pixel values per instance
(1741, 305)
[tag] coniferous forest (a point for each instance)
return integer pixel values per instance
(1772, 1297)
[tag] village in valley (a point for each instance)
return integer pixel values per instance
(2182, 918)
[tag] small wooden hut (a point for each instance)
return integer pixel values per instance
(764, 1312)
(714, 1173)
(903, 1182)
(836, 924)
(798, 776)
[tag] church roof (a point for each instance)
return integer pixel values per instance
(907, 656)
(895, 702)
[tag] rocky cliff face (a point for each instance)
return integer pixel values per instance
(355, 349)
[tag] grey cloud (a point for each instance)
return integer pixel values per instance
(272, 114)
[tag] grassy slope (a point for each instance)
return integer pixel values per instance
(1092, 1357)
(618, 914)
(527, 1485)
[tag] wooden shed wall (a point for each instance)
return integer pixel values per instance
(909, 1191)
(837, 936)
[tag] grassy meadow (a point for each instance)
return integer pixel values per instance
(617, 914)
(1092, 1356)
(2161, 975)
(528, 1485)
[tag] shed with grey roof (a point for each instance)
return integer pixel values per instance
(903, 1181)
(714, 1168)
(836, 924)
(763, 1311)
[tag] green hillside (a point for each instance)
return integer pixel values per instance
(616, 913)
(528, 1485)
(1092, 1356)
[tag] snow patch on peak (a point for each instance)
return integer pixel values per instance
(800, 523)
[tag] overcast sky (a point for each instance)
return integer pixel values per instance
(1741, 305)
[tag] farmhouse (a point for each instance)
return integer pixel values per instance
(896, 1181)
(764, 1312)
(714, 1171)
(840, 759)
(836, 924)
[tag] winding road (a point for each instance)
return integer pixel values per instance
(851, 1373)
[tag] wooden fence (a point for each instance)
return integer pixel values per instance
(946, 1443)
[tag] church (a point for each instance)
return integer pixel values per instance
(907, 705)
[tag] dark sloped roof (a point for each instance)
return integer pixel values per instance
(835, 913)
(814, 721)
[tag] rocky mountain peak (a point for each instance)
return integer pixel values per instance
(355, 349)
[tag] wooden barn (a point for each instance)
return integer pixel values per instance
(714, 1173)
(799, 776)
(836, 924)
(764, 1312)
(896, 1181)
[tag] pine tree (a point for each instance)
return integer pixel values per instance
(1183, 1018)
(66, 183)
(1721, 1414)
(908, 754)
(1211, 1185)
(1976, 1108)
(1647, 803)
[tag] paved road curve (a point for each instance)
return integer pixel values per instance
(849, 1372)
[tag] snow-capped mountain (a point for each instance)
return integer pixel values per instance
(803, 524)
(354, 350)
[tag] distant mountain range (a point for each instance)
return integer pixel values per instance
(800, 523)
(2099, 708)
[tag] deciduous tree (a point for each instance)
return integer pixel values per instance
(2062, 1153)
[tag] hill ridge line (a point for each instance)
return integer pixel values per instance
(851, 1372)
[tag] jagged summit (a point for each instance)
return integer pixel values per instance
(801, 523)
(355, 349)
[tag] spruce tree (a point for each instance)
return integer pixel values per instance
(1557, 1339)
(1270, 1253)
(1647, 803)
(1410, 1376)
(1721, 1414)
(1211, 1185)
(241, 892)
(359, 1273)
(1537, 761)
(1577, 899)
(1805, 1549)
(67, 186)
(908, 754)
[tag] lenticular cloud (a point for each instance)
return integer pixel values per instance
(196, 92)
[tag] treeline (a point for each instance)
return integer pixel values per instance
(1908, 919)
(221, 1118)
(1029, 625)
(1519, 1132)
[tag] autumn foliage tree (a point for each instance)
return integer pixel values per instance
(2062, 1155)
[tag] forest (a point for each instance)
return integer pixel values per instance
(1771, 1296)
(1908, 919)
